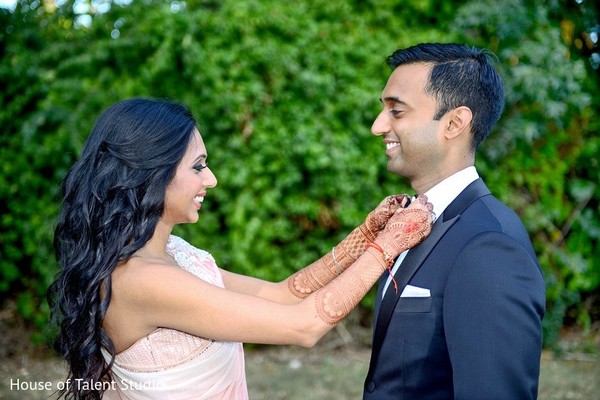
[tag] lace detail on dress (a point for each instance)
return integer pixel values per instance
(162, 349)
(165, 348)
(196, 261)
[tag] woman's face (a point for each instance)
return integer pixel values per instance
(186, 192)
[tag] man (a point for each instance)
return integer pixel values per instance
(466, 320)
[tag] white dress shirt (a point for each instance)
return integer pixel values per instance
(441, 195)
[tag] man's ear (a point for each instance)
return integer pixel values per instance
(458, 122)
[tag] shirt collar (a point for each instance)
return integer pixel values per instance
(442, 194)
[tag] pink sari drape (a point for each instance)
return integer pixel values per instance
(173, 365)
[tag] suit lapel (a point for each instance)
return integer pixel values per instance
(379, 293)
(414, 259)
(410, 265)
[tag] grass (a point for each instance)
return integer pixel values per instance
(321, 373)
(299, 374)
(334, 370)
(316, 374)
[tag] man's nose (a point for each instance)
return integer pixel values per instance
(380, 125)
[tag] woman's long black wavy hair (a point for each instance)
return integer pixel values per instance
(113, 197)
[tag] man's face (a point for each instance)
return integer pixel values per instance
(413, 140)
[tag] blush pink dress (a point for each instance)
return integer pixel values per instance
(172, 365)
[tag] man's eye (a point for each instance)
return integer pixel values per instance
(396, 113)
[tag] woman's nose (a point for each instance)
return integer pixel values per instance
(209, 179)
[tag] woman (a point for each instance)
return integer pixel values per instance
(145, 315)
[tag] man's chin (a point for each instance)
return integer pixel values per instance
(393, 168)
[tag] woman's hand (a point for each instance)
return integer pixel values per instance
(406, 228)
(378, 218)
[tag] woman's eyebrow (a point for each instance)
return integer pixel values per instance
(200, 158)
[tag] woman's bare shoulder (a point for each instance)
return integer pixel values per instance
(141, 269)
(139, 288)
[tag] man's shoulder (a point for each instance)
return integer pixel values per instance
(506, 216)
(489, 215)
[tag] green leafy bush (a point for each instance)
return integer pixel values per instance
(284, 95)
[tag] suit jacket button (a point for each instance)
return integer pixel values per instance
(370, 387)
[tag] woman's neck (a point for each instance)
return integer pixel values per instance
(156, 247)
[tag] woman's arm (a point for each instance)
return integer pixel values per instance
(166, 296)
(321, 272)
(148, 296)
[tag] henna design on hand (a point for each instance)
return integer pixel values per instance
(406, 228)
(376, 220)
(335, 301)
(321, 272)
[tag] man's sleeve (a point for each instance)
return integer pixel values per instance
(493, 308)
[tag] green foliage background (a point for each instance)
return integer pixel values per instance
(284, 94)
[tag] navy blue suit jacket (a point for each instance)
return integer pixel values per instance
(479, 335)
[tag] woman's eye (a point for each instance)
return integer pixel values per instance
(199, 167)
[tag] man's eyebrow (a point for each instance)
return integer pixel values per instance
(392, 99)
